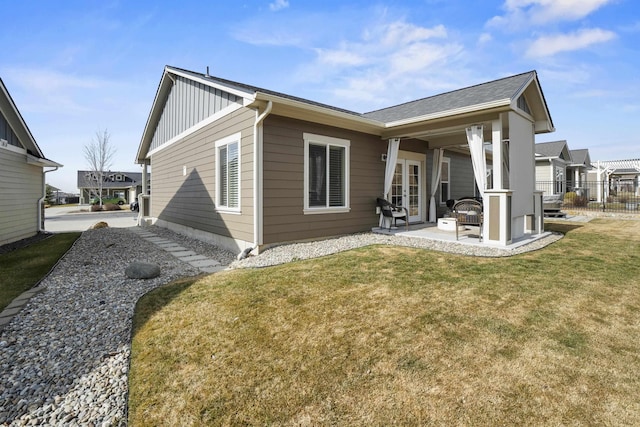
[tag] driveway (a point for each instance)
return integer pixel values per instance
(80, 218)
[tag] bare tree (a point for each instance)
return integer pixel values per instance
(99, 156)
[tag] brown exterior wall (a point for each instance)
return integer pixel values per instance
(284, 219)
(189, 200)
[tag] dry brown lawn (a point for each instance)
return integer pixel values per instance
(398, 336)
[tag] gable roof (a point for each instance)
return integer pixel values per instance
(580, 157)
(132, 179)
(497, 95)
(13, 117)
(553, 149)
(481, 94)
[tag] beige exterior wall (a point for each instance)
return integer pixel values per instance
(183, 181)
(20, 190)
(284, 219)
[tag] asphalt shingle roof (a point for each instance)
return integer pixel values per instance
(550, 149)
(504, 88)
(474, 95)
(580, 157)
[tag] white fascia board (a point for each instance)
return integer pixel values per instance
(243, 93)
(506, 102)
(33, 160)
(260, 96)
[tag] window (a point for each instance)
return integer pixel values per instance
(522, 104)
(228, 173)
(444, 181)
(559, 182)
(326, 174)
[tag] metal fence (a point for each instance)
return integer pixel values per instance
(622, 197)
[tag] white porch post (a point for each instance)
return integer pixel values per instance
(496, 142)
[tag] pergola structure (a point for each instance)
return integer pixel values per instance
(607, 168)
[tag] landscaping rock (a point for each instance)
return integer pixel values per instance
(142, 270)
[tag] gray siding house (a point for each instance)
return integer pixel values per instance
(22, 175)
(125, 185)
(246, 167)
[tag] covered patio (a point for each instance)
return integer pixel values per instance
(467, 237)
(495, 124)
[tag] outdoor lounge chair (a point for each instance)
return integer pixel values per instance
(468, 212)
(393, 212)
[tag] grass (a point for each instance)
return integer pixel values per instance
(399, 336)
(21, 269)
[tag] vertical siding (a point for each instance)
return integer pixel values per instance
(7, 133)
(189, 103)
(190, 200)
(284, 219)
(20, 190)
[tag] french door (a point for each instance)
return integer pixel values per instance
(406, 188)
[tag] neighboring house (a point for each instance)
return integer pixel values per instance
(552, 160)
(578, 169)
(246, 167)
(125, 185)
(22, 175)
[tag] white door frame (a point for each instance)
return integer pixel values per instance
(407, 159)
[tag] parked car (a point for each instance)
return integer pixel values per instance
(107, 200)
(134, 206)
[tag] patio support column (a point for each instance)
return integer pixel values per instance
(538, 212)
(496, 141)
(497, 214)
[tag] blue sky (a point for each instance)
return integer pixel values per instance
(78, 66)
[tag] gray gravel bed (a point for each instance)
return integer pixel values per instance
(65, 356)
(298, 251)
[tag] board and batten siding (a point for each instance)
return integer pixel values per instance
(189, 103)
(283, 188)
(20, 191)
(183, 179)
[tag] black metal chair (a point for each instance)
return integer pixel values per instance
(468, 212)
(393, 212)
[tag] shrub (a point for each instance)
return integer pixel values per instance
(625, 196)
(111, 207)
(96, 208)
(572, 199)
(100, 224)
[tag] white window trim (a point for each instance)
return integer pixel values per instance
(236, 137)
(310, 138)
(443, 202)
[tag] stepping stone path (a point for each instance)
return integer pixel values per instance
(201, 262)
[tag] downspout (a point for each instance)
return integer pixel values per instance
(41, 199)
(257, 178)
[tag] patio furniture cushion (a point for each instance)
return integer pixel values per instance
(393, 212)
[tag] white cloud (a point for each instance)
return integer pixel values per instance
(485, 38)
(524, 13)
(390, 62)
(552, 44)
(278, 5)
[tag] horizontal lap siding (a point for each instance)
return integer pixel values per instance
(462, 181)
(284, 219)
(190, 200)
(20, 191)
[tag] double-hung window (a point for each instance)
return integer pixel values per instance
(326, 174)
(228, 173)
